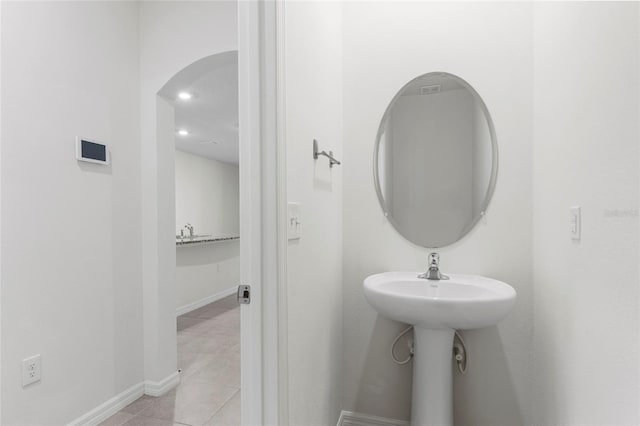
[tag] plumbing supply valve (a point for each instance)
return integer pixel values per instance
(460, 353)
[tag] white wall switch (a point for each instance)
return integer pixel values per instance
(293, 221)
(575, 222)
(31, 370)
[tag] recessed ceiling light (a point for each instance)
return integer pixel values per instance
(208, 143)
(183, 132)
(184, 96)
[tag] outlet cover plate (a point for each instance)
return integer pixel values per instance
(31, 370)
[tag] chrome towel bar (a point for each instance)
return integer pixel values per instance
(316, 154)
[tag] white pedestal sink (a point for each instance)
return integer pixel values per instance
(436, 309)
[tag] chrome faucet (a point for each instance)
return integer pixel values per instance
(433, 273)
(190, 228)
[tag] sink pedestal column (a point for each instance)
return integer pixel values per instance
(432, 398)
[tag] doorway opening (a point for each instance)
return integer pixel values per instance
(204, 97)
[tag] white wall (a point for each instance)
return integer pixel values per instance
(70, 231)
(173, 35)
(314, 271)
(586, 130)
(93, 69)
(490, 46)
(1, 37)
(207, 197)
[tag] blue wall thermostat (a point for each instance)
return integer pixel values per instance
(92, 151)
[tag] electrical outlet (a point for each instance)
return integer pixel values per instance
(31, 370)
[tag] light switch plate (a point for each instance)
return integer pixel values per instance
(575, 223)
(293, 221)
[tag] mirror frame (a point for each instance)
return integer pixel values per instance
(494, 159)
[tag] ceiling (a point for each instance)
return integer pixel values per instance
(211, 115)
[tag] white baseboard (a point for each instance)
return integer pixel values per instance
(152, 388)
(202, 302)
(349, 418)
(109, 408)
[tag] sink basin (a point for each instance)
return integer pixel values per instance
(461, 302)
(436, 308)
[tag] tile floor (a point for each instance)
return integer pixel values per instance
(209, 356)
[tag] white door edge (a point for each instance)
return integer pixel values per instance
(250, 210)
(262, 217)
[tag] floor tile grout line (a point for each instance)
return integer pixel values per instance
(222, 406)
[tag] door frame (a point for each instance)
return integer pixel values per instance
(263, 199)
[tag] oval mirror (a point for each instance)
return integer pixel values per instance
(435, 160)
